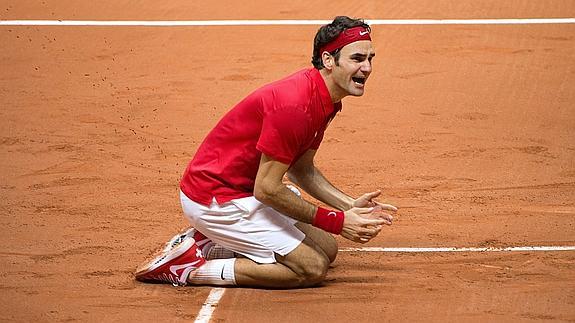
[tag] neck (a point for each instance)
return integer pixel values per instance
(335, 92)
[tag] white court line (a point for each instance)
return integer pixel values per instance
(455, 249)
(209, 306)
(216, 294)
(205, 314)
(170, 23)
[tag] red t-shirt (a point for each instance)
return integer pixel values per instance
(282, 120)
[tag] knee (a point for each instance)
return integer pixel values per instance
(324, 240)
(313, 273)
(330, 249)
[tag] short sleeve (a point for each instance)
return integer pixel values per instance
(285, 134)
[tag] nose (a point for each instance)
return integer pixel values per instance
(366, 67)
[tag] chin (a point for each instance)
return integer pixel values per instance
(356, 93)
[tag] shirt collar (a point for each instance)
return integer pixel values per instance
(329, 107)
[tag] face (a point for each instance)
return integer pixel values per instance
(354, 68)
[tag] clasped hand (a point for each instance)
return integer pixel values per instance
(366, 218)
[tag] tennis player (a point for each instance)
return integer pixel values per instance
(248, 227)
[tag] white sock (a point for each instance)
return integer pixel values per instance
(212, 250)
(214, 272)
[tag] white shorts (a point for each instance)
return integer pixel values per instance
(245, 226)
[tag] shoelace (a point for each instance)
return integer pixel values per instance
(180, 238)
(175, 241)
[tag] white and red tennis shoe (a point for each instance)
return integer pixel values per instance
(174, 263)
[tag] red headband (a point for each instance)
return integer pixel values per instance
(347, 36)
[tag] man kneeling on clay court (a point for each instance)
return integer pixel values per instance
(249, 228)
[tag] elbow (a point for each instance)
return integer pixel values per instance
(263, 193)
(259, 195)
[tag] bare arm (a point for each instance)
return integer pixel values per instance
(305, 175)
(270, 190)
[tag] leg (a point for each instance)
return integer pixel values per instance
(279, 254)
(323, 239)
(305, 266)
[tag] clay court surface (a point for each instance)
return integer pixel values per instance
(469, 129)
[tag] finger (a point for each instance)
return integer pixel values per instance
(365, 238)
(389, 222)
(369, 196)
(358, 239)
(368, 237)
(384, 216)
(372, 230)
(373, 222)
(387, 207)
(363, 210)
(378, 227)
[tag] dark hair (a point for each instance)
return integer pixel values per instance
(327, 33)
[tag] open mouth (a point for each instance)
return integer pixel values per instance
(359, 80)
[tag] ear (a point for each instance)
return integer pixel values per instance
(327, 60)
